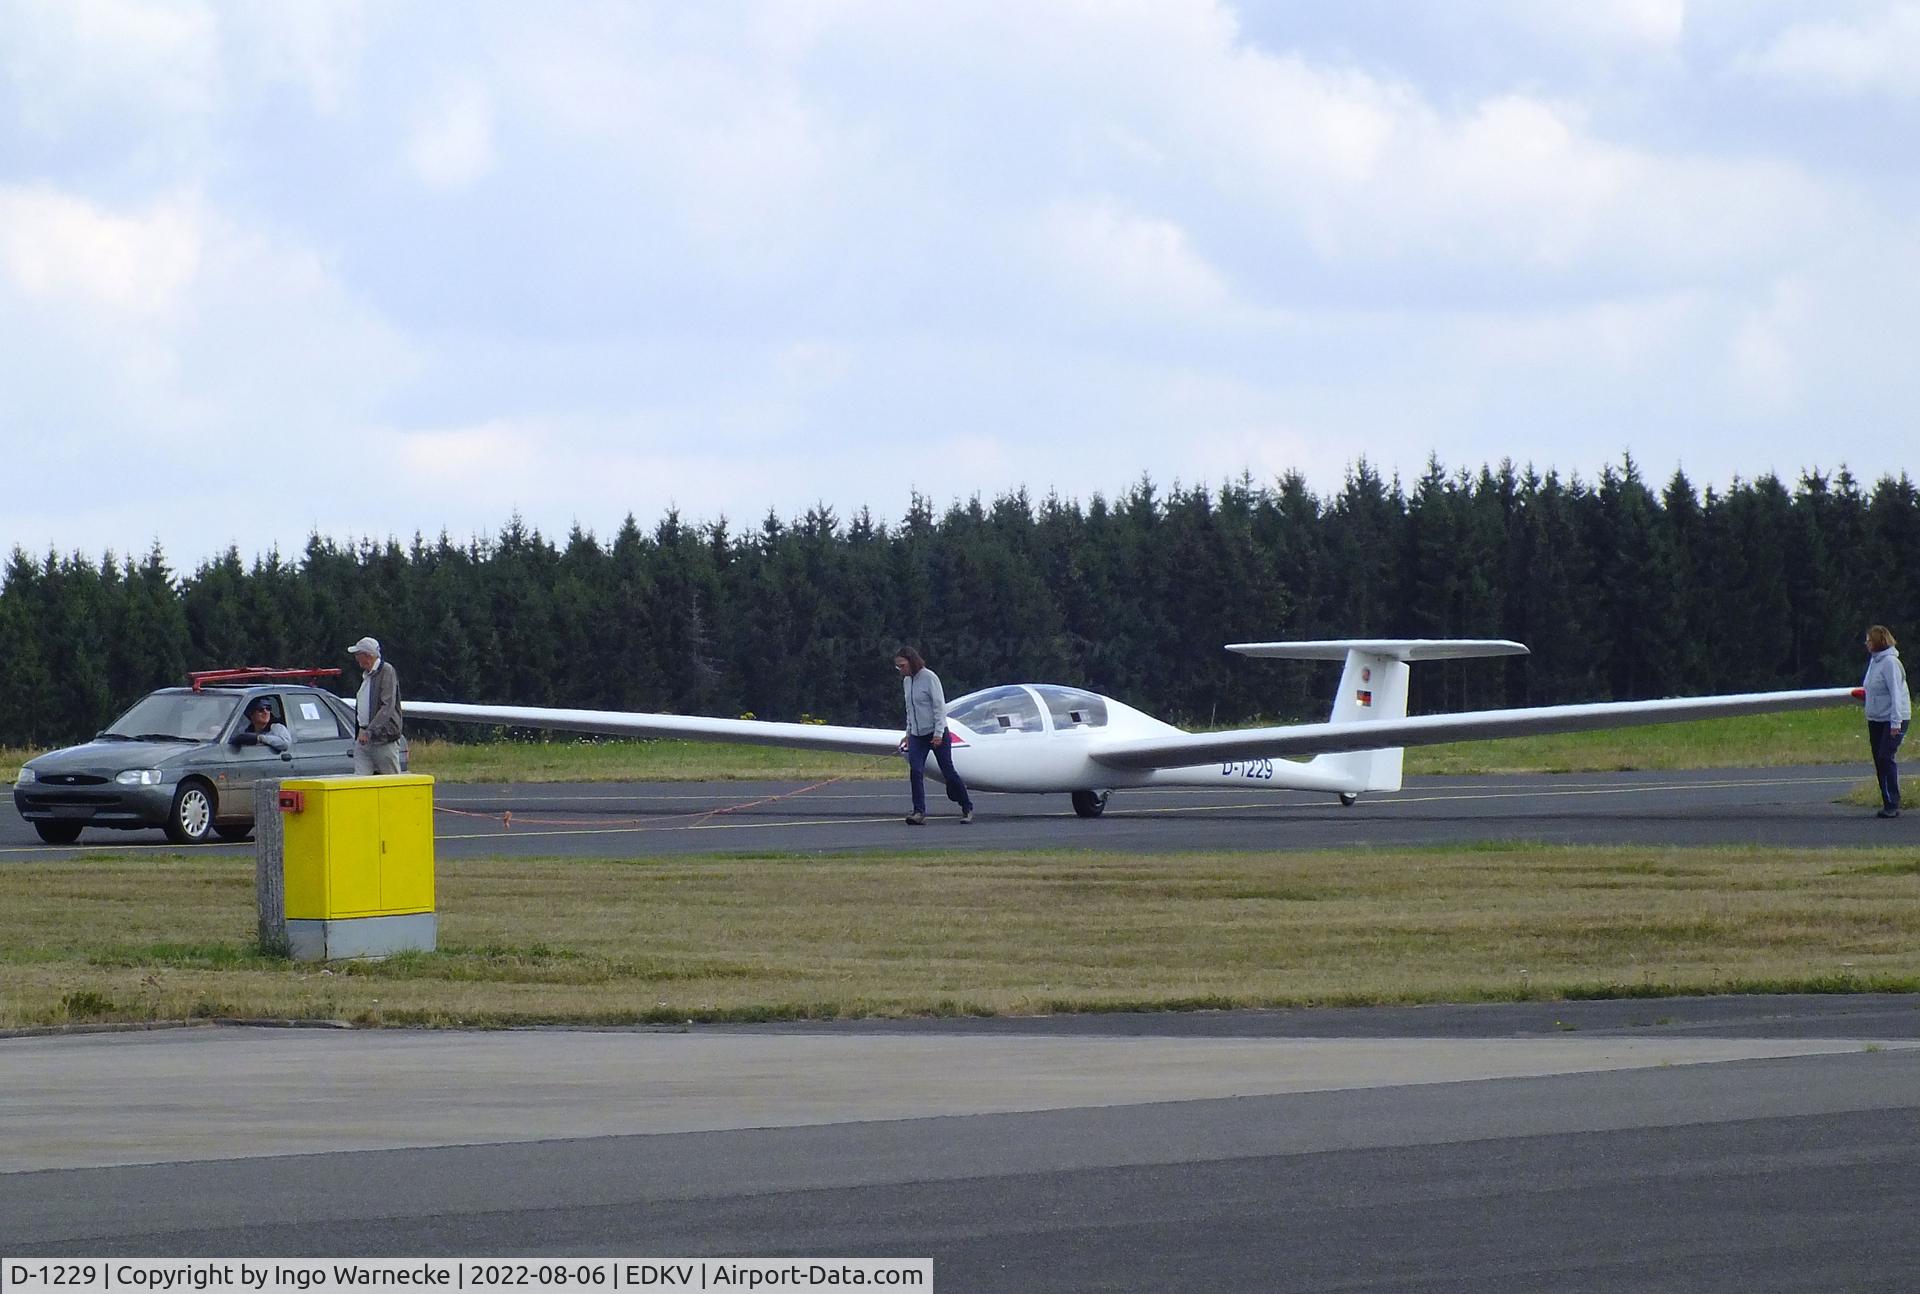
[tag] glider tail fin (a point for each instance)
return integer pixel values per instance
(1373, 687)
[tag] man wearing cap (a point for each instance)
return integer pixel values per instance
(376, 747)
(261, 730)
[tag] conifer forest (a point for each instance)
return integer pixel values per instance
(1622, 590)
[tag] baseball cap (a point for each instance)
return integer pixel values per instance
(369, 645)
(259, 703)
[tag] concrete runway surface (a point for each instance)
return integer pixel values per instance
(1684, 1144)
(1784, 806)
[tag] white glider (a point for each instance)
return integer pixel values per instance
(1044, 738)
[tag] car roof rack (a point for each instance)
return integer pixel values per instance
(254, 674)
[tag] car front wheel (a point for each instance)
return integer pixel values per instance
(190, 820)
(58, 833)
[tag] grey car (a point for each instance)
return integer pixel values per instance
(170, 762)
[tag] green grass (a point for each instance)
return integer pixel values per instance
(1835, 736)
(1863, 795)
(757, 938)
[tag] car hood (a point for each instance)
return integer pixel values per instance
(105, 758)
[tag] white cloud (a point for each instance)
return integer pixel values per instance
(1371, 173)
(1165, 108)
(1877, 55)
(1637, 25)
(601, 469)
(468, 456)
(814, 364)
(451, 144)
(730, 256)
(62, 58)
(55, 247)
(1521, 182)
(176, 319)
(1764, 362)
(1269, 452)
(723, 143)
(1120, 259)
(314, 44)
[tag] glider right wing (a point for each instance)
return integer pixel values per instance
(1182, 749)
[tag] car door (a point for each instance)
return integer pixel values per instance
(245, 765)
(322, 739)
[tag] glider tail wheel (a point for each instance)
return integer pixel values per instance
(1090, 804)
(1349, 798)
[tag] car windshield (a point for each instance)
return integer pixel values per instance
(175, 716)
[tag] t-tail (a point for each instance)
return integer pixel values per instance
(1373, 688)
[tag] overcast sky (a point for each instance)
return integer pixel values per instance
(372, 269)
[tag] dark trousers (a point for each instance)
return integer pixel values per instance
(917, 748)
(1885, 768)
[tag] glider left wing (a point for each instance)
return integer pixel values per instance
(1190, 748)
(619, 723)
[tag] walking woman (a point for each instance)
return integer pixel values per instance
(1889, 707)
(927, 731)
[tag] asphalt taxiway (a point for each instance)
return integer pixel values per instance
(1777, 806)
(1683, 1144)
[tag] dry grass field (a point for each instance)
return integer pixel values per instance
(748, 938)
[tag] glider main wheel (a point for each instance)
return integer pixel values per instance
(190, 819)
(234, 833)
(1090, 804)
(58, 833)
(1349, 798)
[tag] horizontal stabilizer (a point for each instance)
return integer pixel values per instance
(1394, 648)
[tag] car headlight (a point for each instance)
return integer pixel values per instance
(139, 777)
(27, 778)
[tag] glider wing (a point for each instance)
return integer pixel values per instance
(619, 723)
(1192, 748)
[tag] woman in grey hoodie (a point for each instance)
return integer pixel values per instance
(1889, 707)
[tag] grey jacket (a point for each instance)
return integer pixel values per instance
(1886, 687)
(377, 704)
(926, 703)
(274, 737)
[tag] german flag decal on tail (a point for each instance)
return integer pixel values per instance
(1363, 697)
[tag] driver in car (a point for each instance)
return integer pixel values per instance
(261, 730)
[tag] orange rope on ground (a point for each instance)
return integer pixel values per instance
(699, 816)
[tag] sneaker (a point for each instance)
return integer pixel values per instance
(966, 815)
(1887, 813)
(916, 819)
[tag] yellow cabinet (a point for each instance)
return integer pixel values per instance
(358, 846)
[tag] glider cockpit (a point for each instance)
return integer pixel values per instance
(1030, 707)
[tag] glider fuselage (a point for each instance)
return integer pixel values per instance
(1041, 738)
